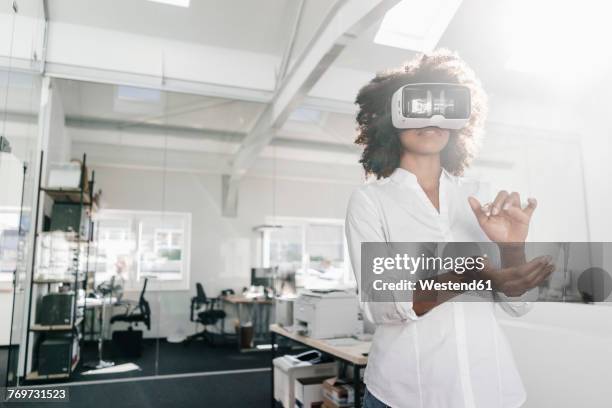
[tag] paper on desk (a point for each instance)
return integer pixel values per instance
(343, 342)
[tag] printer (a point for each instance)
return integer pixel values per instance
(326, 314)
(287, 369)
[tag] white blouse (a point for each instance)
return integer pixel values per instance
(454, 356)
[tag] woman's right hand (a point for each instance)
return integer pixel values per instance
(514, 281)
(504, 221)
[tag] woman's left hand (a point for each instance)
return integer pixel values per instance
(504, 220)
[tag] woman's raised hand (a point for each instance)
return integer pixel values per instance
(504, 220)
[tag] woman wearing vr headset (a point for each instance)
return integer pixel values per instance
(420, 127)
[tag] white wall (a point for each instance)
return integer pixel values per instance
(200, 195)
(563, 354)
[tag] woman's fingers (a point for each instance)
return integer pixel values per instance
(513, 200)
(527, 268)
(478, 210)
(541, 277)
(517, 215)
(499, 202)
(522, 215)
(528, 276)
(540, 273)
(532, 204)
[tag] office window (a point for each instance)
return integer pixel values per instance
(134, 245)
(285, 247)
(315, 249)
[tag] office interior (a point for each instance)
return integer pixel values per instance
(174, 177)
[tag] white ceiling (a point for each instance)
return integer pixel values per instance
(477, 30)
(258, 26)
(94, 101)
(29, 8)
(102, 101)
(263, 26)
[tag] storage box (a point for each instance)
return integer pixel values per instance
(287, 370)
(69, 218)
(54, 355)
(64, 175)
(56, 309)
(309, 392)
(338, 393)
(127, 343)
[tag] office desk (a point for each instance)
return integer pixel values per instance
(242, 300)
(355, 355)
(95, 305)
(239, 301)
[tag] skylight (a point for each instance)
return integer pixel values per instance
(416, 25)
(178, 3)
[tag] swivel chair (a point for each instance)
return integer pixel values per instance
(139, 314)
(131, 340)
(204, 310)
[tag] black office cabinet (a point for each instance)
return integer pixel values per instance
(66, 217)
(54, 355)
(128, 343)
(56, 309)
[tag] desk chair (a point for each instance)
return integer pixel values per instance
(207, 314)
(134, 315)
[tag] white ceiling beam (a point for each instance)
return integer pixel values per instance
(346, 20)
(288, 53)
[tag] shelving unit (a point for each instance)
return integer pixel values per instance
(71, 280)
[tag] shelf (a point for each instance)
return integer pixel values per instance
(33, 376)
(60, 327)
(69, 236)
(63, 280)
(70, 273)
(68, 195)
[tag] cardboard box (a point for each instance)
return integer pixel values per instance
(64, 175)
(309, 392)
(338, 393)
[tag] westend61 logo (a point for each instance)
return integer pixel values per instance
(392, 271)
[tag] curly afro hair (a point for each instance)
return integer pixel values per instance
(382, 152)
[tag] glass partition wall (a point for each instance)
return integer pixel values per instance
(22, 33)
(158, 229)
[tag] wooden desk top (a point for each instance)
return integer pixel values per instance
(237, 299)
(353, 353)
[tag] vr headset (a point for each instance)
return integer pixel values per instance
(446, 106)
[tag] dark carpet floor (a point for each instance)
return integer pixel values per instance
(175, 359)
(251, 390)
(238, 389)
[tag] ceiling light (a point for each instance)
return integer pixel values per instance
(306, 115)
(135, 94)
(178, 3)
(416, 24)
